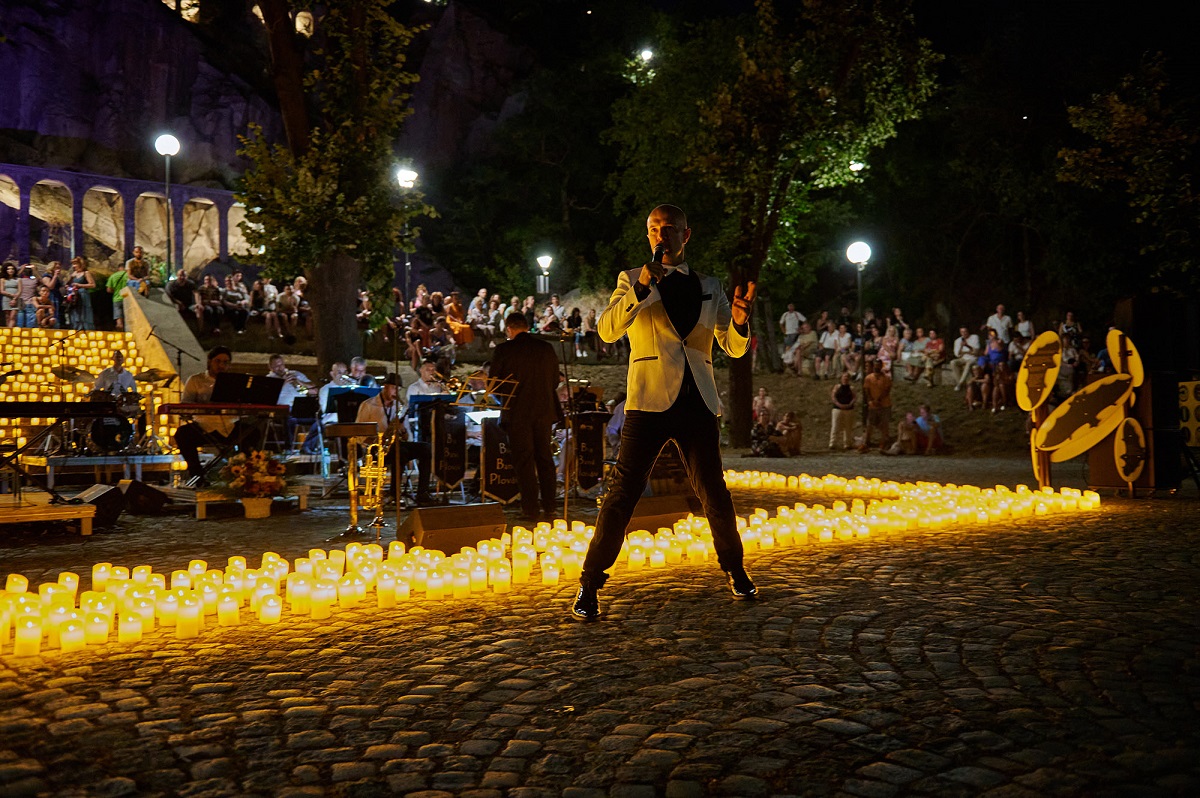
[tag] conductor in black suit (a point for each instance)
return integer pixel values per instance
(525, 374)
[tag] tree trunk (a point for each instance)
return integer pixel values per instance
(287, 73)
(333, 297)
(741, 398)
(763, 322)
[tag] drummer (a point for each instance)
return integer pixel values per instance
(115, 379)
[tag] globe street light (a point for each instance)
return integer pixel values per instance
(167, 145)
(543, 279)
(407, 178)
(859, 253)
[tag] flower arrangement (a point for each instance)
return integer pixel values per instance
(254, 474)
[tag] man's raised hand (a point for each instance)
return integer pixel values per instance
(743, 300)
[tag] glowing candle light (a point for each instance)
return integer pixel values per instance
(435, 585)
(270, 610)
(337, 559)
(420, 578)
(141, 574)
(28, 639)
(101, 572)
(637, 558)
(347, 593)
(304, 566)
(324, 593)
(187, 620)
(129, 628)
(196, 567)
(299, 593)
(500, 575)
(209, 594)
(385, 589)
(144, 608)
(236, 561)
(403, 589)
(120, 572)
(521, 566)
(15, 583)
(462, 582)
(550, 572)
(70, 581)
(96, 626)
(395, 550)
(658, 558)
(479, 576)
(71, 636)
(181, 579)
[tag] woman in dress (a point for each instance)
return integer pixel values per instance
(262, 304)
(10, 289)
(81, 285)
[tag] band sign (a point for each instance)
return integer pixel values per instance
(449, 445)
(589, 446)
(497, 474)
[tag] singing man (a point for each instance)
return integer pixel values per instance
(671, 314)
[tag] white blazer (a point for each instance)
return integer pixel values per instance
(657, 351)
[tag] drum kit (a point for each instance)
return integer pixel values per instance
(107, 435)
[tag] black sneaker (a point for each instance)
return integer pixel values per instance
(586, 606)
(740, 584)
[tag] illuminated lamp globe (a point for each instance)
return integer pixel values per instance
(407, 178)
(858, 252)
(166, 144)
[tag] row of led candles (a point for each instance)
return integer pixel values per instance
(343, 577)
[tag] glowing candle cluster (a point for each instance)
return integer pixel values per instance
(126, 604)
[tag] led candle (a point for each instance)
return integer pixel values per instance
(209, 593)
(571, 564)
(196, 567)
(324, 593)
(658, 558)
(120, 572)
(180, 579)
(299, 593)
(637, 558)
(236, 561)
(500, 575)
(129, 628)
(15, 583)
(674, 552)
(144, 609)
(28, 639)
(229, 610)
(70, 636)
(70, 581)
(158, 581)
(141, 574)
(479, 576)
(395, 550)
(385, 589)
(187, 621)
(462, 582)
(521, 566)
(347, 593)
(337, 559)
(270, 609)
(435, 584)
(420, 578)
(550, 572)
(96, 626)
(264, 587)
(303, 566)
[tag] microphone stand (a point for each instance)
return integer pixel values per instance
(568, 447)
(152, 441)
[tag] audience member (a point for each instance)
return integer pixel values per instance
(841, 427)
(979, 388)
(789, 324)
(878, 390)
(762, 408)
(929, 431)
(966, 354)
(824, 365)
(1001, 323)
(934, 358)
(788, 434)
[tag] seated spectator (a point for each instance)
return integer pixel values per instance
(211, 306)
(761, 444)
(303, 310)
(994, 351)
(824, 360)
(420, 297)
(1016, 351)
(549, 323)
(43, 305)
(442, 349)
(182, 293)
(788, 433)
(262, 306)
(870, 349)
(906, 436)
(979, 388)
(587, 338)
(912, 355)
(934, 358)
(762, 408)
(889, 348)
(1070, 331)
(929, 431)
(1025, 326)
(1004, 384)
(456, 319)
(802, 352)
(966, 354)
(235, 301)
(849, 350)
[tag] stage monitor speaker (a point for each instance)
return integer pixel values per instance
(141, 499)
(109, 503)
(448, 529)
(653, 512)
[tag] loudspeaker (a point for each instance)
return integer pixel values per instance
(109, 503)
(652, 512)
(448, 529)
(141, 499)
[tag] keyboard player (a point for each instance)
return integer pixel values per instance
(218, 429)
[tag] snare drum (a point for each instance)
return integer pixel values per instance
(109, 435)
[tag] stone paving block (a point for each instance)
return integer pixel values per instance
(351, 771)
(870, 789)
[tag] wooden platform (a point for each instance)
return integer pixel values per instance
(100, 465)
(26, 512)
(205, 496)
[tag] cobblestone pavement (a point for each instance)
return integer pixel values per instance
(1045, 658)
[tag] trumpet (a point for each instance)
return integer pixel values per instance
(301, 387)
(373, 473)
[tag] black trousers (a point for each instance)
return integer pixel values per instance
(529, 442)
(191, 436)
(411, 450)
(697, 433)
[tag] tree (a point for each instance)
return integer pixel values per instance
(1144, 142)
(328, 201)
(802, 99)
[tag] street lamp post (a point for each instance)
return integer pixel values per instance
(407, 178)
(543, 279)
(167, 145)
(859, 253)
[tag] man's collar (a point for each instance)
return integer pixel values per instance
(682, 268)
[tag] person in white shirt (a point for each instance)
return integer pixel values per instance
(830, 341)
(294, 383)
(203, 430)
(115, 379)
(1001, 323)
(427, 383)
(358, 372)
(1024, 326)
(790, 323)
(383, 410)
(966, 352)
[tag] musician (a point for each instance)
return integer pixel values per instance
(385, 411)
(294, 382)
(671, 314)
(216, 430)
(427, 382)
(358, 373)
(525, 369)
(338, 378)
(115, 379)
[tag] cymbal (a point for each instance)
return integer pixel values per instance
(153, 375)
(72, 374)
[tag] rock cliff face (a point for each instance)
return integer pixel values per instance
(88, 84)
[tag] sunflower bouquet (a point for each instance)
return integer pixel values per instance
(254, 474)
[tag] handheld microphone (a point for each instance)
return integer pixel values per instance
(660, 250)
